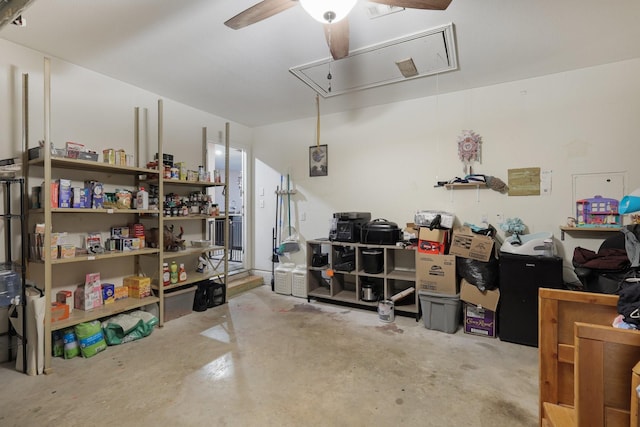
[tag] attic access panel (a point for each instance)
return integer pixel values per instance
(432, 51)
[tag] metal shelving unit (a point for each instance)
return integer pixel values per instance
(10, 215)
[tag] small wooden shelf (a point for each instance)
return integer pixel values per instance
(191, 251)
(586, 230)
(63, 162)
(192, 277)
(463, 185)
(80, 316)
(105, 255)
(398, 273)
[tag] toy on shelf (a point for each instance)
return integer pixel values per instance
(597, 212)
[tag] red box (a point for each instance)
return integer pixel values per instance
(435, 242)
(54, 194)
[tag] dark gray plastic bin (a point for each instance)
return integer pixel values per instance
(440, 312)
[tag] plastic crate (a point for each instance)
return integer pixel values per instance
(299, 282)
(283, 278)
(440, 312)
(178, 303)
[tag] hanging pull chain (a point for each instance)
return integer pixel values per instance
(318, 120)
(329, 76)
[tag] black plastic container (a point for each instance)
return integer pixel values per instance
(372, 261)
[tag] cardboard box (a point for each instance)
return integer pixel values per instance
(471, 294)
(436, 273)
(89, 295)
(467, 244)
(433, 241)
(59, 311)
(65, 297)
(108, 293)
(479, 321)
(64, 193)
(54, 194)
(109, 156)
(121, 292)
(67, 251)
(139, 287)
(479, 310)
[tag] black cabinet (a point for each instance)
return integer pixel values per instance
(520, 278)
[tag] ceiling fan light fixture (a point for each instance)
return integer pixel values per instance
(328, 11)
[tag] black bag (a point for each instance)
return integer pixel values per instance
(200, 298)
(629, 303)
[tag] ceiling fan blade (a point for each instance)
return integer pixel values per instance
(337, 35)
(258, 12)
(416, 4)
(11, 9)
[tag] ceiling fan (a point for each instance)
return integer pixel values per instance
(332, 13)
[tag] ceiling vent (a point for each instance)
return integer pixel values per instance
(376, 10)
(429, 52)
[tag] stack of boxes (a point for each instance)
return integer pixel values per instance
(442, 295)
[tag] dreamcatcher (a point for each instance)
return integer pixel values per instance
(469, 149)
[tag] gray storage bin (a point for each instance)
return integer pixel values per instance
(440, 312)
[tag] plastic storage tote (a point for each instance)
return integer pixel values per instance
(440, 312)
(299, 281)
(284, 278)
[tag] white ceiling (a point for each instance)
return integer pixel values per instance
(181, 50)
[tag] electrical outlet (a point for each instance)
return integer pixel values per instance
(262, 203)
(303, 216)
(484, 218)
(499, 218)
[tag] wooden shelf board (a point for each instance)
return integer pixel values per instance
(462, 185)
(188, 218)
(191, 251)
(106, 255)
(80, 316)
(100, 211)
(565, 229)
(409, 276)
(186, 183)
(590, 229)
(347, 296)
(319, 292)
(192, 277)
(78, 164)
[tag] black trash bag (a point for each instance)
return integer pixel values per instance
(484, 275)
(200, 298)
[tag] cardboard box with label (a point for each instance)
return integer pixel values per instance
(479, 310)
(468, 244)
(434, 241)
(139, 287)
(436, 273)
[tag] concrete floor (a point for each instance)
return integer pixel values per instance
(265, 359)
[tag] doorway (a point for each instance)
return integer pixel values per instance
(236, 209)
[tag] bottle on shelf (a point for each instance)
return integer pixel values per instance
(182, 274)
(166, 274)
(174, 272)
(142, 199)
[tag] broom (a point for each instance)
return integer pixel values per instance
(290, 244)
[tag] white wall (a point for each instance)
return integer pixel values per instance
(386, 159)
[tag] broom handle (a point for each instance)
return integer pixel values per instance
(289, 203)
